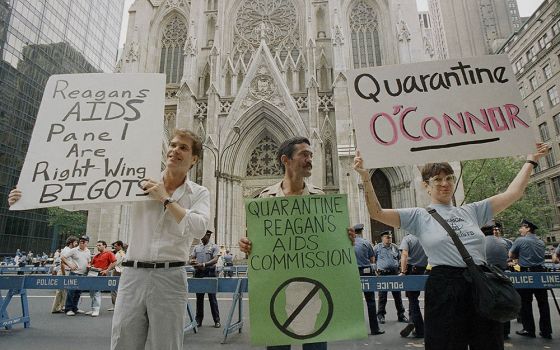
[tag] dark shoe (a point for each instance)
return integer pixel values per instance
(403, 319)
(199, 323)
(381, 319)
(546, 336)
(378, 332)
(506, 336)
(217, 325)
(525, 333)
(416, 335)
(406, 330)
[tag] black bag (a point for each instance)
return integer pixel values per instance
(493, 294)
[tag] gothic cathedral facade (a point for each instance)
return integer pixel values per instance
(247, 74)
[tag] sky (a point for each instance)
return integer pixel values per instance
(526, 9)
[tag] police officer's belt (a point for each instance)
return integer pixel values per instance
(152, 265)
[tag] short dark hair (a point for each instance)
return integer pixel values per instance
(102, 242)
(120, 243)
(287, 148)
(71, 239)
(196, 141)
(432, 169)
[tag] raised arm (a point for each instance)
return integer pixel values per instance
(387, 216)
(516, 188)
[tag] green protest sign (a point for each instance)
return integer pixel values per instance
(304, 284)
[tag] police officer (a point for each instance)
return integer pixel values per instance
(387, 258)
(497, 255)
(364, 257)
(228, 262)
(204, 258)
(413, 262)
(529, 250)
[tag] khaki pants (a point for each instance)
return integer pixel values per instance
(59, 298)
(150, 311)
(114, 292)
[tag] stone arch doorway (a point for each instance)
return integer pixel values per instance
(382, 187)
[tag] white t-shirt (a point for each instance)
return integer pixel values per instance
(79, 257)
(438, 246)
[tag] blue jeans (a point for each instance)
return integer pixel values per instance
(72, 300)
(95, 296)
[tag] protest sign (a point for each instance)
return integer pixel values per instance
(459, 109)
(96, 136)
(304, 284)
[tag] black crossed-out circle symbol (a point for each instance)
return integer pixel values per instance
(283, 327)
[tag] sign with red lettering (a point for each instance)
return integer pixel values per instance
(96, 137)
(459, 109)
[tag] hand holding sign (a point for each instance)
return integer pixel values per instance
(155, 189)
(245, 245)
(542, 150)
(14, 196)
(359, 166)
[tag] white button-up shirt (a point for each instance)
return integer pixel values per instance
(155, 235)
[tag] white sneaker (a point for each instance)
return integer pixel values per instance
(70, 313)
(95, 313)
(80, 311)
(87, 312)
(111, 309)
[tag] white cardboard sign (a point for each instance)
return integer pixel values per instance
(459, 109)
(96, 136)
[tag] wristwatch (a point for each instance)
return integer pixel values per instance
(168, 201)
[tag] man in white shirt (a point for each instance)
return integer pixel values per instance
(63, 270)
(78, 260)
(152, 296)
(118, 249)
(151, 306)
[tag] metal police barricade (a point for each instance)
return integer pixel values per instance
(237, 286)
(520, 280)
(17, 285)
(25, 269)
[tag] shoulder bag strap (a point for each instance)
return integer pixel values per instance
(467, 258)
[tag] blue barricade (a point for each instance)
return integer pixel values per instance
(25, 269)
(18, 285)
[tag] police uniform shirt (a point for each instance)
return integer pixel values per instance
(496, 251)
(508, 242)
(228, 259)
(529, 250)
(204, 253)
(364, 251)
(387, 257)
(416, 254)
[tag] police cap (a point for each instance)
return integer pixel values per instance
(529, 224)
(358, 227)
(386, 233)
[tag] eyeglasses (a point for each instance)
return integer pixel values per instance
(436, 180)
